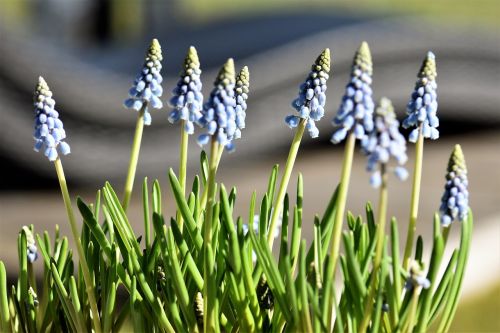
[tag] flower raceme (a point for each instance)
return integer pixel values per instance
(455, 199)
(219, 116)
(310, 104)
(423, 104)
(49, 129)
(356, 109)
(241, 94)
(187, 99)
(384, 142)
(146, 88)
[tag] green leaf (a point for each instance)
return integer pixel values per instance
(264, 256)
(456, 283)
(184, 250)
(357, 283)
(178, 282)
(435, 262)
(302, 287)
(145, 212)
(182, 205)
(442, 292)
(74, 319)
(370, 220)
(296, 236)
(271, 184)
(4, 301)
(263, 218)
(396, 275)
(156, 197)
(377, 311)
(235, 258)
(95, 228)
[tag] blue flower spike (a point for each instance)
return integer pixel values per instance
(49, 131)
(423, 103)
(356, 109)
(310, 104)
(147, 88)
(219, 116)
(384, 142)
(30, 245)
(187, 99)
(455, 199)
(241, 94)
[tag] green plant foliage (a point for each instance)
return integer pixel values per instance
(216, 271)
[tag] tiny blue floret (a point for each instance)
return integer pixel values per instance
(187, 99)
(356, 109)
(455, 199)
(422, 107)
(49, 130)
(146, 89)
(310, 104)
(383, 142)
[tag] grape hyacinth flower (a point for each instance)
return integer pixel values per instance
(188, 98)
(356, 109)
(241, 94)
(219, 116)
(310, 104)
(417, 277)
(49, 129)
(455, 199)
(423, 104)
(30, 245)
(383, 142)
(146, 88)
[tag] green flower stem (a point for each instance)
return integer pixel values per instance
(182, 167)
(219, 154)
(446, 232)
(415, 195)
(81, 254)
(413, 309)
(134, 157)
(209, 285)
(203, 201)
(342, 197)
(339, 214)
(382, 212)
(292, 155)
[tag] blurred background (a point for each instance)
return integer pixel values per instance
(90, 51)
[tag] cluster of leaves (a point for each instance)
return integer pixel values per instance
(163, 278)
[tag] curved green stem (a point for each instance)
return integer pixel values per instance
(339, 214)
(81, 254)
(134, 157)
(292, 155)
(382, 212)
(415, 195)
(182, 167)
